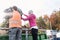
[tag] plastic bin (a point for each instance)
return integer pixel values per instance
(30, 37)
(23, 37)
(40, 37)
(4, 38)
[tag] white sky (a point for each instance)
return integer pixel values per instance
(40, 7)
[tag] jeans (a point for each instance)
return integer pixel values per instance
(15, 34)
(34, 33)
(58, 38)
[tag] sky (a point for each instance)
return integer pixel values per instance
(40, 7)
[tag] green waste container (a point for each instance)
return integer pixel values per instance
(40, 37)
(29, 37)
(45, 39)
(4, 38)
(23, 37)
(7, 38)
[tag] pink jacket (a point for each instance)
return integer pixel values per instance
(31, 18)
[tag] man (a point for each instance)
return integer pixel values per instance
(15, 31)
(32, 21)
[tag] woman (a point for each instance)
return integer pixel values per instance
(32, 21)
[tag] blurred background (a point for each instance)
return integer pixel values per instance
(46, 11)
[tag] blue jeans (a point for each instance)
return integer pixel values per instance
(58, 38)
(15, 34)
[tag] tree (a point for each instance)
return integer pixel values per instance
(6, 22)
(47, 22)
(40, 23)
(55, 20)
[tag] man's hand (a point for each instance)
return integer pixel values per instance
(25, 15)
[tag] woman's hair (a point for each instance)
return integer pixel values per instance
(31, 11)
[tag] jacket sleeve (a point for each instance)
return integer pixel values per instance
(25, 19)
(26, 15)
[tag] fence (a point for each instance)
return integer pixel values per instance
(25, 36)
